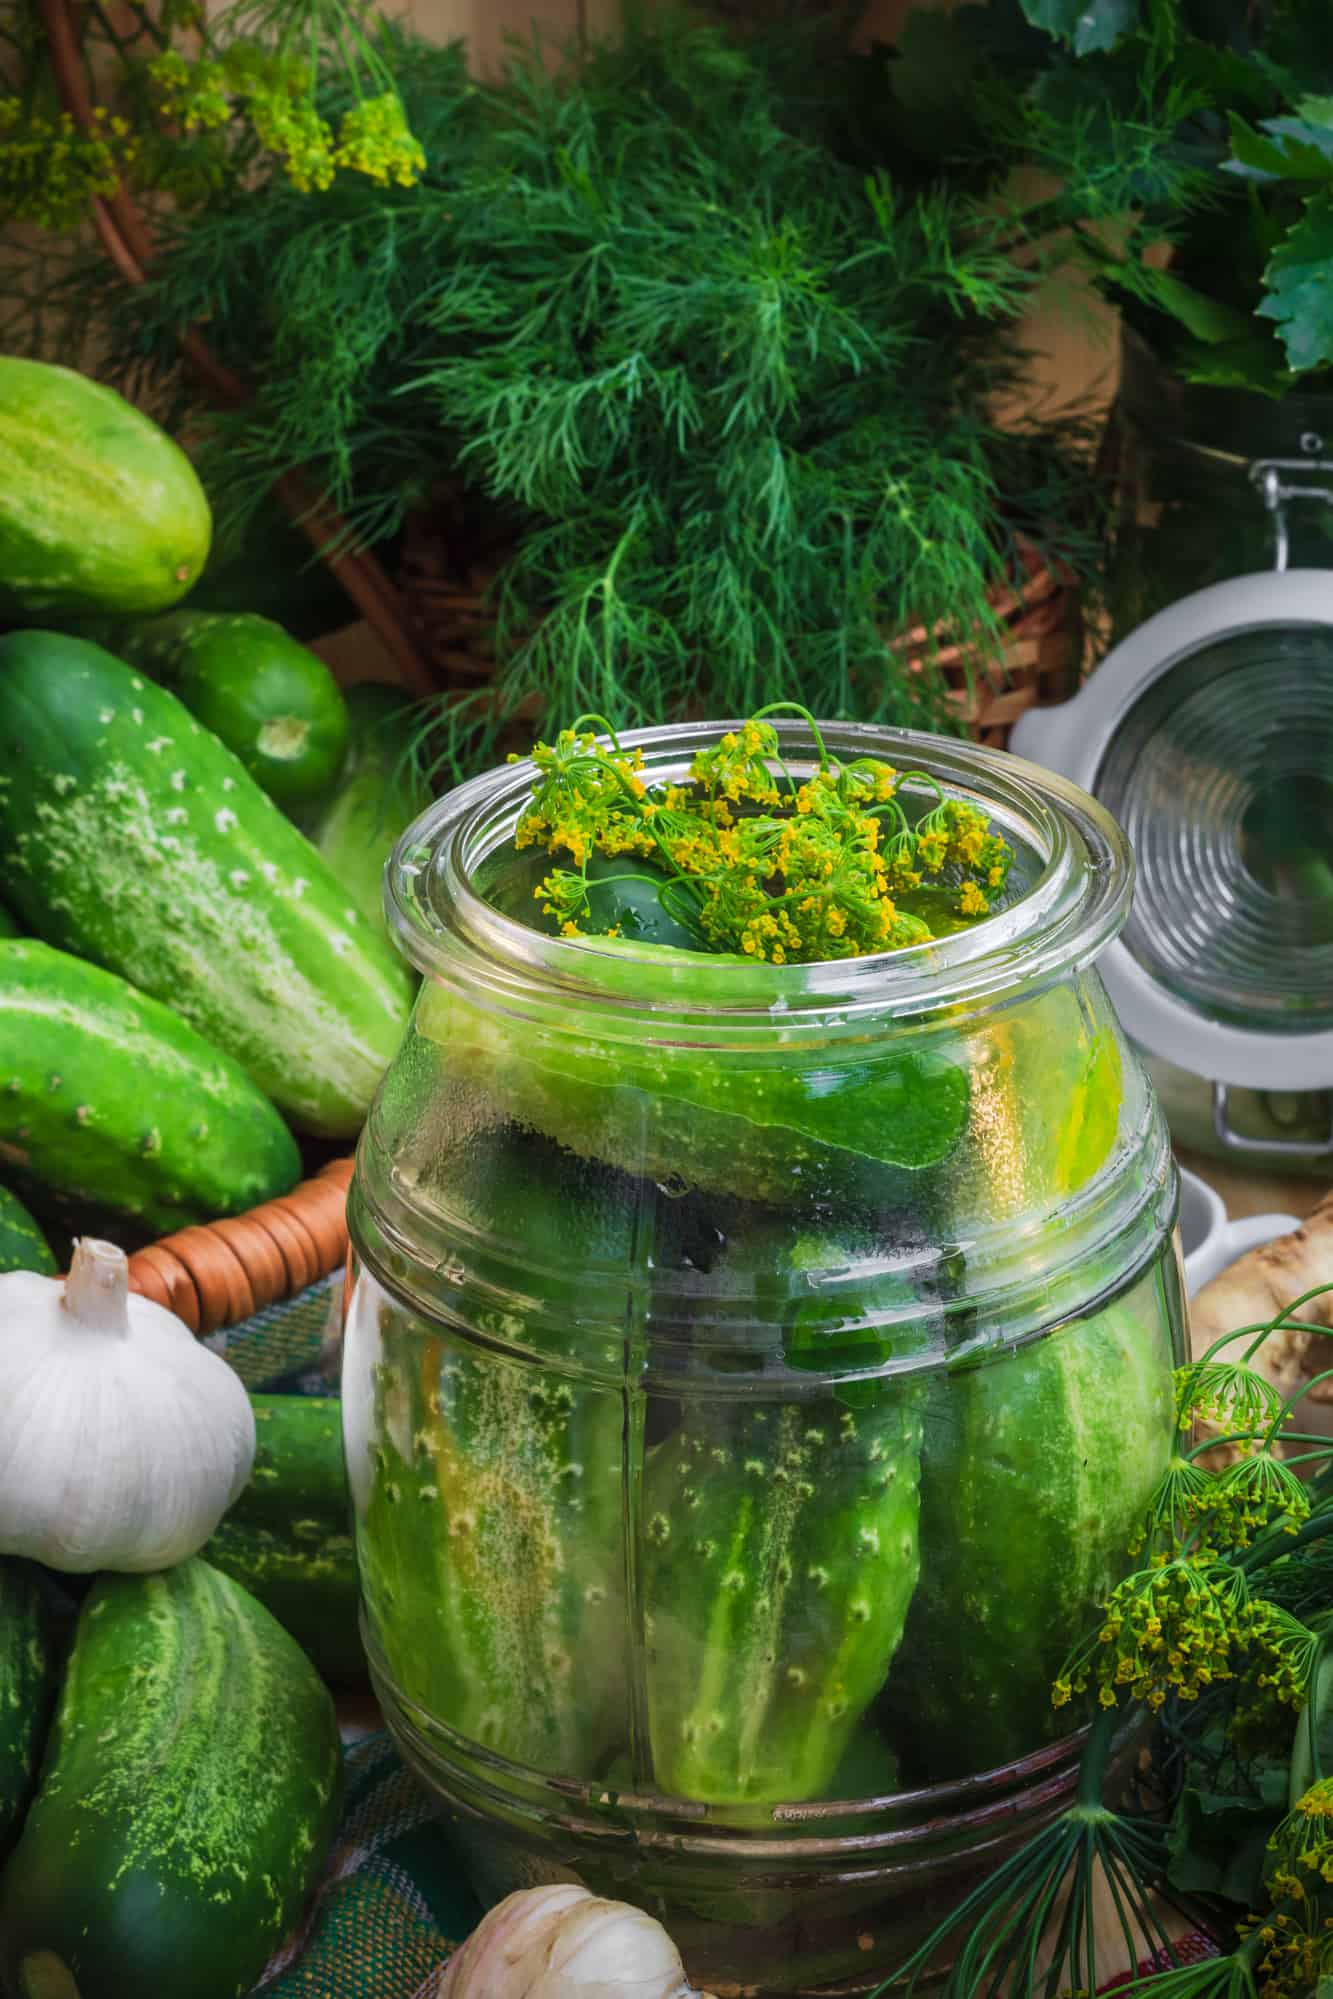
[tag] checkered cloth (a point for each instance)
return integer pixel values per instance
(393, 1901)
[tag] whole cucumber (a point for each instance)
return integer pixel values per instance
(288, 1538)
(131, 836)
(271, 700)
(27, 1683)
(99, 510)
(107, 1096)
(186, 1801)
(376, 798)
(1037, 1469)
(22, 1244)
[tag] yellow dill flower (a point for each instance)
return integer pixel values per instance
(374, 139)
(779, 872)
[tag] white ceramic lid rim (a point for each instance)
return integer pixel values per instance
(1072, 738)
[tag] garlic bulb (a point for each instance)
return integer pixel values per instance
(122, 1441)
(563, 1943)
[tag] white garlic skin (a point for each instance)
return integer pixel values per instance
(561, 1942)
(122, 1440)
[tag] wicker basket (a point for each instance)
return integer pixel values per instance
(448, 605)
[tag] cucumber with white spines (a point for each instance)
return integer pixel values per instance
(22, 1244)
(185, 1803)
(1038, 1469)
(27, 1684)
(130, 835)
(108, 1097)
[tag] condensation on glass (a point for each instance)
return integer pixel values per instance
(752, 1381)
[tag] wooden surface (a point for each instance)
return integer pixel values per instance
(1256, 1193)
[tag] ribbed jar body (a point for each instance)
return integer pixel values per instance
(753, 1379)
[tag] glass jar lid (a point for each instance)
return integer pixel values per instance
(1208, 732)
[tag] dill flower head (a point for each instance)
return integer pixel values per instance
(747, 859)
(1230, 1394)
(1257, 1491)
(1176, 1627)
(1302, 1846)
(50, 169)
(374, 139)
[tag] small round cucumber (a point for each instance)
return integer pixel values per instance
(272, 702)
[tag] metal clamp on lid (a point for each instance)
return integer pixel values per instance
(1277, 493)
(1288, 1148)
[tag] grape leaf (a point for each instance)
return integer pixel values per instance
(1299, 282)
(1219, 1845)
(1281, 149)
(1087, 25)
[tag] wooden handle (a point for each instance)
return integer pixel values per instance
(222, 1273)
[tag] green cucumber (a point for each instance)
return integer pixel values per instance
(288, 1538)
(746, 1119)
(781, 1544)
(99, 510)
(27, 1683)
(186, 1801)
(22, 1244)
(107, 1096)
(489, 1493)
(1037, 1470)
(133, 837)
(377, 797)
(268, 698)
(782, 1557)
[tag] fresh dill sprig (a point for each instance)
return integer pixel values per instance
(1225, 1634)
(718, 385)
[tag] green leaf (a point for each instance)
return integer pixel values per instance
(1206, 318)
(1300, 287)
(1219, 1845)
(1087, 25)
(1255, 363)
(1282, 149)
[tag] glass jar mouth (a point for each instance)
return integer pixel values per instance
(1074, 903)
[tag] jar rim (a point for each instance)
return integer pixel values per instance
(1077, 902)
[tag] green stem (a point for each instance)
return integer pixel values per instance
(1289, 1405)
(1096, 1755)
(1244, 1436)
(1279, 1542)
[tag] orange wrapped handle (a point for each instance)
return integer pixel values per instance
(219, 1274)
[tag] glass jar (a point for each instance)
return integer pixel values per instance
(753, 1378)
(1205, 478)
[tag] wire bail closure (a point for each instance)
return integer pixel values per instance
(1287, 1148)
(1278, 493)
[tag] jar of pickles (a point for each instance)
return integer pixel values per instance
(755, 1371)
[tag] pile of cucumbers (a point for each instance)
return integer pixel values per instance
(170, 1782)
(194, 968)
